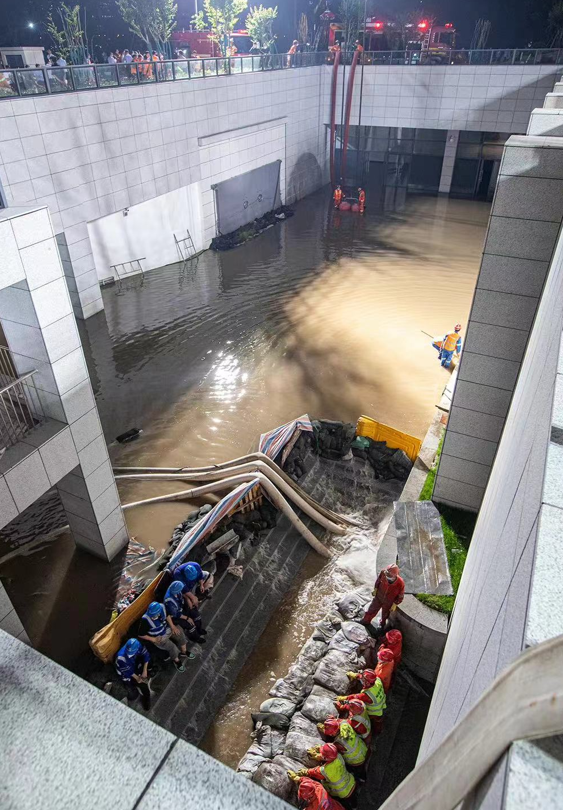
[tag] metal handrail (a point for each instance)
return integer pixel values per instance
(19, 380)
(47, 80)
(20, 405)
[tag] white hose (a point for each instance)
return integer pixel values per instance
(229, 483)
(235, 462)
(523, 703)
(256, 466)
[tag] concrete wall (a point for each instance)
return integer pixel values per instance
(497, 98)
(88, 155)
(523, 230)
(512, 584)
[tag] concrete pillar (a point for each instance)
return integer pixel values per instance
(9, 619)
(80, 273)
(523, 230)
(450, 151)
(40, 328)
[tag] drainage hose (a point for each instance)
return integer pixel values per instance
(228, 483)
(256, 466)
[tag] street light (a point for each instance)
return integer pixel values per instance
(31, 25)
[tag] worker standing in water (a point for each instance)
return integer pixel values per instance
(337, 196)
(362, 200)
(389, 590)
(450, 344)
(312, 795)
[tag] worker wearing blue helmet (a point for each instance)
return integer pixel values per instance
(183, 614)
(132, 665)
(159, 629)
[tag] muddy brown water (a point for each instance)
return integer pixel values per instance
(322, 314)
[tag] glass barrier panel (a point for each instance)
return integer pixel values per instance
(165, 71)
(8, 86)
(222, 67)
(181, 69)
(32, 82)
(548, 57)
(524, 57)
(60, 80)
(246, 64)
(127, 72)
(84, 77)
(146, 72)
(196, 68)
(107, 75)
(210, 67)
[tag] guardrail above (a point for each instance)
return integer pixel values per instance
(39, 81)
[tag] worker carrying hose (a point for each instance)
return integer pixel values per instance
(450, 344)
(337, 196)
(353, 749)
(132, 665)
(312, 795)
(389, 590)
(333, 774)
(358, 718)
(186, 617)
(373, 695)
(362, 200)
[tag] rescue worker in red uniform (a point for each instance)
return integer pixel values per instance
(333, 774)
(393, 640)
(337, 196)
(385, 668)
(389, 590)
(362, 200)
(353, 749)
(358, 718)
(373, 695)
(312, 796)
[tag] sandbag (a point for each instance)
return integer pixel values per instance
(296, 746)
(278, 706)
(270, 740)
(297, 683)
(318, 707)
(313, 650)
(327, 627)
(302, 725)
(253, 758)
(274, 779)
(287, 763)
(352, 605)
(279, 721)
(331, 673)
(349, 637)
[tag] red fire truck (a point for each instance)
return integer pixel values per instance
(425, 41)
(197, 43)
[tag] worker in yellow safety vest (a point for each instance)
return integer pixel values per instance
(449, 344)
(353, 749)
(373, 695)
(333, 773)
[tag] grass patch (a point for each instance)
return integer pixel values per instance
(458, 527)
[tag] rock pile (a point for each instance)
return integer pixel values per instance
(386, 462)
(285, 725)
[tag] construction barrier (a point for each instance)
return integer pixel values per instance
(395, 439)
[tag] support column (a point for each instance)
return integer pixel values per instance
(40, 328)
(452, 139)
(524, 229)
(80, 274)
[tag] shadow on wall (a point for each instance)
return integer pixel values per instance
(306, 176)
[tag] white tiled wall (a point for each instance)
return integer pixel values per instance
(496, 98)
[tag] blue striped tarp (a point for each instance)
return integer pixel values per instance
(271, 443)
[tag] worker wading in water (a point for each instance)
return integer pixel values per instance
(337, 196)
(450, 344)
(312, 795)
(389, 590)
(353, 749)
(333, 774)
(362, 200)
(372, 694)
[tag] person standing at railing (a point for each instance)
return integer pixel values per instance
(111, 59)
(292, 52)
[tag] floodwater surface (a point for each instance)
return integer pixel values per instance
(324, 314)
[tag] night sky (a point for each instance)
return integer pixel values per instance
(515, 23)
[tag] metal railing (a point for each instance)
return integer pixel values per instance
(20, 406)
(52, 80)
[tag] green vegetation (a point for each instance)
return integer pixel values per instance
(458, 527)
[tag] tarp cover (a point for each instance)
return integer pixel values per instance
(421, 549)
(244, 198)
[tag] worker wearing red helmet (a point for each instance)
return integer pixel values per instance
(451, 342)
(389, 590)
(333, 774)
(385, 667)
(358, 718)
(393, 640)
(372, 694)
(353, 749)
(311, 795)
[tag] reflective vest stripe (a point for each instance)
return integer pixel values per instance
(340, 782)
(356, 749)
(157, 626)
(377, 695)
(450, 342)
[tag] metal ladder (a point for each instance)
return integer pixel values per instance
(126, 269)
(185, 247)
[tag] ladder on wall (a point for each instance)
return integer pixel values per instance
(185, 247)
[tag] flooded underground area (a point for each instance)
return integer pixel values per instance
(324, 314)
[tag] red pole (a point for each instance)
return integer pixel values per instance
(347, 114)
(333, 115)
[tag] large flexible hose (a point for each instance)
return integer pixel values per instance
(349, 94)
(333, 89)
(334, 516)
(228, 483)
(256, 466)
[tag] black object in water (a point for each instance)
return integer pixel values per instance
(129, 435)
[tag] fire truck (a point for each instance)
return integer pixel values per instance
(197, 43)
(426, 42)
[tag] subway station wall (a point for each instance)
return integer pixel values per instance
(498, 98)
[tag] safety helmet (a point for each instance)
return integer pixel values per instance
(329, 752)
(393, 570)
(192, 572)
(356, 706)
(457, 327)
(394, 637)
(368, 677)
(332, 726)
(133, 647)
(384, 655)
(176, 587)
(154, 609)
(306, 789)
